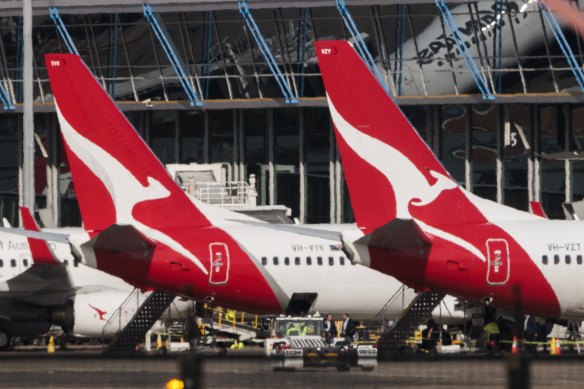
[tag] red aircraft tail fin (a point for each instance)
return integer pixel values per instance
(118, 180)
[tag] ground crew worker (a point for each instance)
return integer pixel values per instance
(330, 329)
(492, 335)
(293, 329)
(348, 330)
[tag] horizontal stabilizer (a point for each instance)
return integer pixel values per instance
(125, 239)
(48, 236)
(398, 235)
(295, 229)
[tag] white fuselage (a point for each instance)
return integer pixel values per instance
(557, 248)
(306, 264)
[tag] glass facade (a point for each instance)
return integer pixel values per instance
(294, 149)
(506, 150)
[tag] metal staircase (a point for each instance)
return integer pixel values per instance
(419, 310)
(132, 331)
(396, 298)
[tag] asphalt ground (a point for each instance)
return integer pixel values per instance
(246, 369)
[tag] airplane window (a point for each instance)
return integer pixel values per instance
(276, 261)
(286, 261)
(319, 261)
(308, 261)
(66, 262)
(342, 261)
(544, 260)
(578, 259)
(75, 263)
(568, 259)
(264, 261)
(331, 261)
(25, 262)
(13, 262)
(556, 259)
(1, 263)
(297, 261)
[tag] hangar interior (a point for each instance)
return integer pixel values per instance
(508, 125)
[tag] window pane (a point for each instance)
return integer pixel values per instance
(577, 144)
(316, 148)
(192, 136)
(256, 150)
(286, 158)
(220, 136)
(452, 143)
(552, 172)
(516, 148)
(484, 150)
(162, 135)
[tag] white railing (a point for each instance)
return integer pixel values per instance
(232, 194)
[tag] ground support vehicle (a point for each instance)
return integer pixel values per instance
(298, 343)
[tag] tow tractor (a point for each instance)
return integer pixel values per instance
(298, 343)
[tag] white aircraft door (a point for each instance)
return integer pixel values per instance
(499, 265)
(220, 261)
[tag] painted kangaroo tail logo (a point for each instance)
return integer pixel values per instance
(100, 313)
(124, 188)
(409, 185)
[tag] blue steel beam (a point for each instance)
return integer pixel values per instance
(470, 62)
(267, 53)
(62, 29)
(359, 43)
(162, 35)
(5, 98)
(564, 45)
(207, 40)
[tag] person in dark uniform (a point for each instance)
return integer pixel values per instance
(530, 329)
(430, 336)
(330, 329)
(348, 330)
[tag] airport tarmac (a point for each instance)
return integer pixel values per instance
(87, 369)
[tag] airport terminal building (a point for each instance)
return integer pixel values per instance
(494, 87)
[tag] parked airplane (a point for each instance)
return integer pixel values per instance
(143, 228)
(421, 227)
(37, 290)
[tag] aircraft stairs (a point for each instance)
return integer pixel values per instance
(377, 320)
(131, 329)
(419, 310)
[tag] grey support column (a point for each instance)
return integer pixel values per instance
(27, 164)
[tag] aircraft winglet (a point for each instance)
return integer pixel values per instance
(537, 209)
(39, 249)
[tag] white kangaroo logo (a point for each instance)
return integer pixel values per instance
(409, 185)
(126, 191)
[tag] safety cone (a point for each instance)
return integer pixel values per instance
(514, 346)
(553, 346)
(558, 347)
(51, 345)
